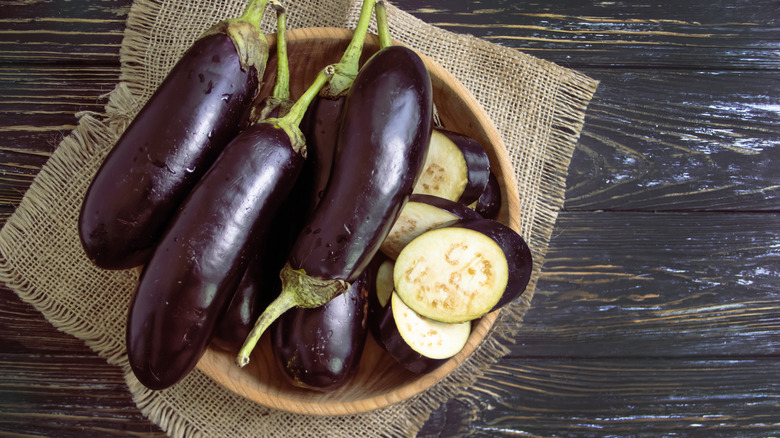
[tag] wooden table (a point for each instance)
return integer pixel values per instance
(658, 312)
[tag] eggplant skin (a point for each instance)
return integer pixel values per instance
(489, 203)
(169, 145)
(381, 148)
(477, 164)
(516, 251)
(392, 342)
(320, 348)
(192, 275)
(320, 127)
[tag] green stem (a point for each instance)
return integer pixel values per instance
(347, 68)
(291, 122)
(282, 86)
(383, 28)
(253, 13)
(298, 290)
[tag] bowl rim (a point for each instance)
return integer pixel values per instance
(220, 366)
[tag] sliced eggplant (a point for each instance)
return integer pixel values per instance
(379, 292)
(420, 214)
(419, 344)
(464, 271)
(489, 203)
(457, 168)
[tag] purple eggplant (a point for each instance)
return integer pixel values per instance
(321, 123)
(420, 214)
(460, 272)
(516, 251)
(457, 168)
(260, 283)
(172, 141)
(489, 203)
(320, 348)
(195, 269)
(392, 342)
(382, 144)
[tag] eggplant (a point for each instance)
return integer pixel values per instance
(172, 141)
(195, 269)
(320, 348)
(321, 123)
(379, 292)
(461, 272)
(260, 283)
(418, 344)
(382, 144)
(420, 214)
(489, 203)
(248, 302)
(457, 168)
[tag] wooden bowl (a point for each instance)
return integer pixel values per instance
(379, 382)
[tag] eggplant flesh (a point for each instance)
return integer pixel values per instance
(193, 273)
(392, 342)
(477, 165)
(382, 144)
(164, 151)
(320, 348)
(516, 252)
(420, 214)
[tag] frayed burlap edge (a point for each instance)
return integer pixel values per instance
(93, 137)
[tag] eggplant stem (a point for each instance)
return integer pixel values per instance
(383, 28)
(298, 290)
(347, 68)
(284, 302)
(282, 86)
(291, 122)
(253, 13)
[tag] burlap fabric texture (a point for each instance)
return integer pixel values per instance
(538, 108)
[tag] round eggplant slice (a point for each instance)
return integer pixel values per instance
(399, 350)
(451, 274)
(430, 338)
(456, 168)
(423, 213)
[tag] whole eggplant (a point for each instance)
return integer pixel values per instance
(382, 145)
(190, 278)
(320, 348)
(172, 141)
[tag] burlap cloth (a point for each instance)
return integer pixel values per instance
(538, 108)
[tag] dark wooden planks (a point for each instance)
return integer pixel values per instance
(51, 31)
(697, 34)
(619, 284)
(679, 140)
(51, 384)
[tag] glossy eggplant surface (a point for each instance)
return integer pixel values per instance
(195, 270)
(382, 144)
(320, 348)
(167, 147)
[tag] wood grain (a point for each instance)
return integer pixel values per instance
(696, 34)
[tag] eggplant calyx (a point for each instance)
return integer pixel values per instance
(244, 31)
(298, 290)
